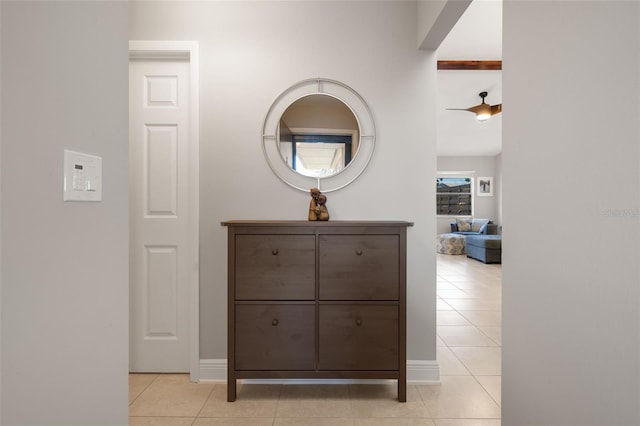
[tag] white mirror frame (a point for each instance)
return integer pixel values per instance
(341, 92)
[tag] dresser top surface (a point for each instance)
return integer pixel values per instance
(332, 223)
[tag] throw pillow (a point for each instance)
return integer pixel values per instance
(464, 225)
(477, 225)
(483, 230)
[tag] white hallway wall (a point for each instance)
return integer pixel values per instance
(571, 321)
(64, 265)
(250, 52)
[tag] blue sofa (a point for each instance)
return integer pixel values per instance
(474, 227)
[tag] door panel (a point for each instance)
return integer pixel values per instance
(160, 158)
(161, 286)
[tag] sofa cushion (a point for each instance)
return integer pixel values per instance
(486, 241)
(464, 225)
(479, 225)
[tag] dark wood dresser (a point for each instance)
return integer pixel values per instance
(317, 300)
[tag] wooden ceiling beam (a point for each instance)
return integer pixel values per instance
(470, 65)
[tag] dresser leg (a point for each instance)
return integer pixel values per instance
(231, 389)
(402, 390)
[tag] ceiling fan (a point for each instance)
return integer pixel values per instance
(482, 111)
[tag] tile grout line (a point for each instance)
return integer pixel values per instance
(499, 403)
(143, 390)
(275, 413)
(205, 403)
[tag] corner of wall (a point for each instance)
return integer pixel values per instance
(436, 19)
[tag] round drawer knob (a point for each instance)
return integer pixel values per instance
(274, 322)
(359, 321)
(275, 252)
(359, 252)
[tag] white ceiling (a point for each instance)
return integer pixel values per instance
(476, 36)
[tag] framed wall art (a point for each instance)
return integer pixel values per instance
(485, 186)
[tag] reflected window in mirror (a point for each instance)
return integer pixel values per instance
(318, 136)
(316, 155)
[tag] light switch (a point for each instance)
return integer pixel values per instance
(82, 177)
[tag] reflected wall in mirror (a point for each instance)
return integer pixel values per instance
(318, 136)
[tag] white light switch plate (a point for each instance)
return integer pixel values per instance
(82, 177)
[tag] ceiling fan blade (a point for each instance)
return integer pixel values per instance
(496, 109)
(459, 109)
(482, 108)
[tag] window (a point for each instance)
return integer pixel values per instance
(454, 196)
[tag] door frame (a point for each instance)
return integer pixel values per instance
(185, 50)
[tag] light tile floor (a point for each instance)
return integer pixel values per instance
(469, 352)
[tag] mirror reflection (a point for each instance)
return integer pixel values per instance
(318, 136)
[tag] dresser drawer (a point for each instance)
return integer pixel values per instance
(358, 337)
(275, 337)
(275, 267)
(359, 267)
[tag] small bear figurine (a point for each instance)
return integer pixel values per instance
(317, 207)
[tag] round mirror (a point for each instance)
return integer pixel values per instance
(318, 136)
(318, 133)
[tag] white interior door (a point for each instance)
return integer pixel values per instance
(163, 216)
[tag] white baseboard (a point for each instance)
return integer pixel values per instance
(419, 372)
(213, 370)
(423, 372)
